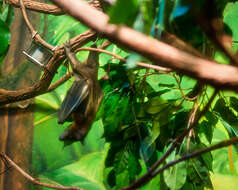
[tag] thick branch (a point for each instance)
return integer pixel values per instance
(37, 6)
(9, 96)
(221, 76)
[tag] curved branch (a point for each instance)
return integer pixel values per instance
(220, 76)
(33, 180)
(9, 96)
(33, 32)
(156, 67)
(37, 6)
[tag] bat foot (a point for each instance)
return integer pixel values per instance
(67, 47)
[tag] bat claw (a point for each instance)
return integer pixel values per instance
(67, 46)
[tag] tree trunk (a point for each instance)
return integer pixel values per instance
(16, 124)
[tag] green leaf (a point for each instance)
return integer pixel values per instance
(116, 110)
(156, 105)
(126, 167)
(87, 173)
(207, 126)
(227, 118)
(230, 14)
(4, 36)
(234, 103)
(147, 148)
(132, 60)
(207, 129)
(124, 12)
(148, 11)
(175, 176)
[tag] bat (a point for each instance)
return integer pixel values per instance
(82, 99)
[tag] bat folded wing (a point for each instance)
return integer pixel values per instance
(75, 96)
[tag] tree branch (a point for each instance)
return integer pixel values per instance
(33, 180)
(220, 76)
(37, 6)
(222, 144)
(156, 67)
(9, 96)
(33, 32)
(148, 176)
(62, 80)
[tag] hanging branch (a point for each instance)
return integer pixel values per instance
(33, 180)
(34, 33)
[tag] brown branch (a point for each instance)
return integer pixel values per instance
(190, 121)
(9, 96)
(148, 176)
(59, 82)
(221, 76)
(33, 32)
(37, 6)
(222, 144)
(33, 180)
(156, 67)
(181, 90)
(213, 27)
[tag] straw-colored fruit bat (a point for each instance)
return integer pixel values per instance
(82, 99)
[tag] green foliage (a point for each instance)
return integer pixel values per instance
(4, 36)
(127, 15)
(142, 111)
(175, 176)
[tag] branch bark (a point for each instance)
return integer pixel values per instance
(9, 96)
(210, 72)
(33, 180)
(37, 6)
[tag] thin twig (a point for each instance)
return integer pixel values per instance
(60, 82)
(148, 176)
(5, 164)
(180, 89)
(36, 181)
(190, 121)
(115, 56)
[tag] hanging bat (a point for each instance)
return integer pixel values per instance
(82, 99)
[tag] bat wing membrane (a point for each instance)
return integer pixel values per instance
(75, 96)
